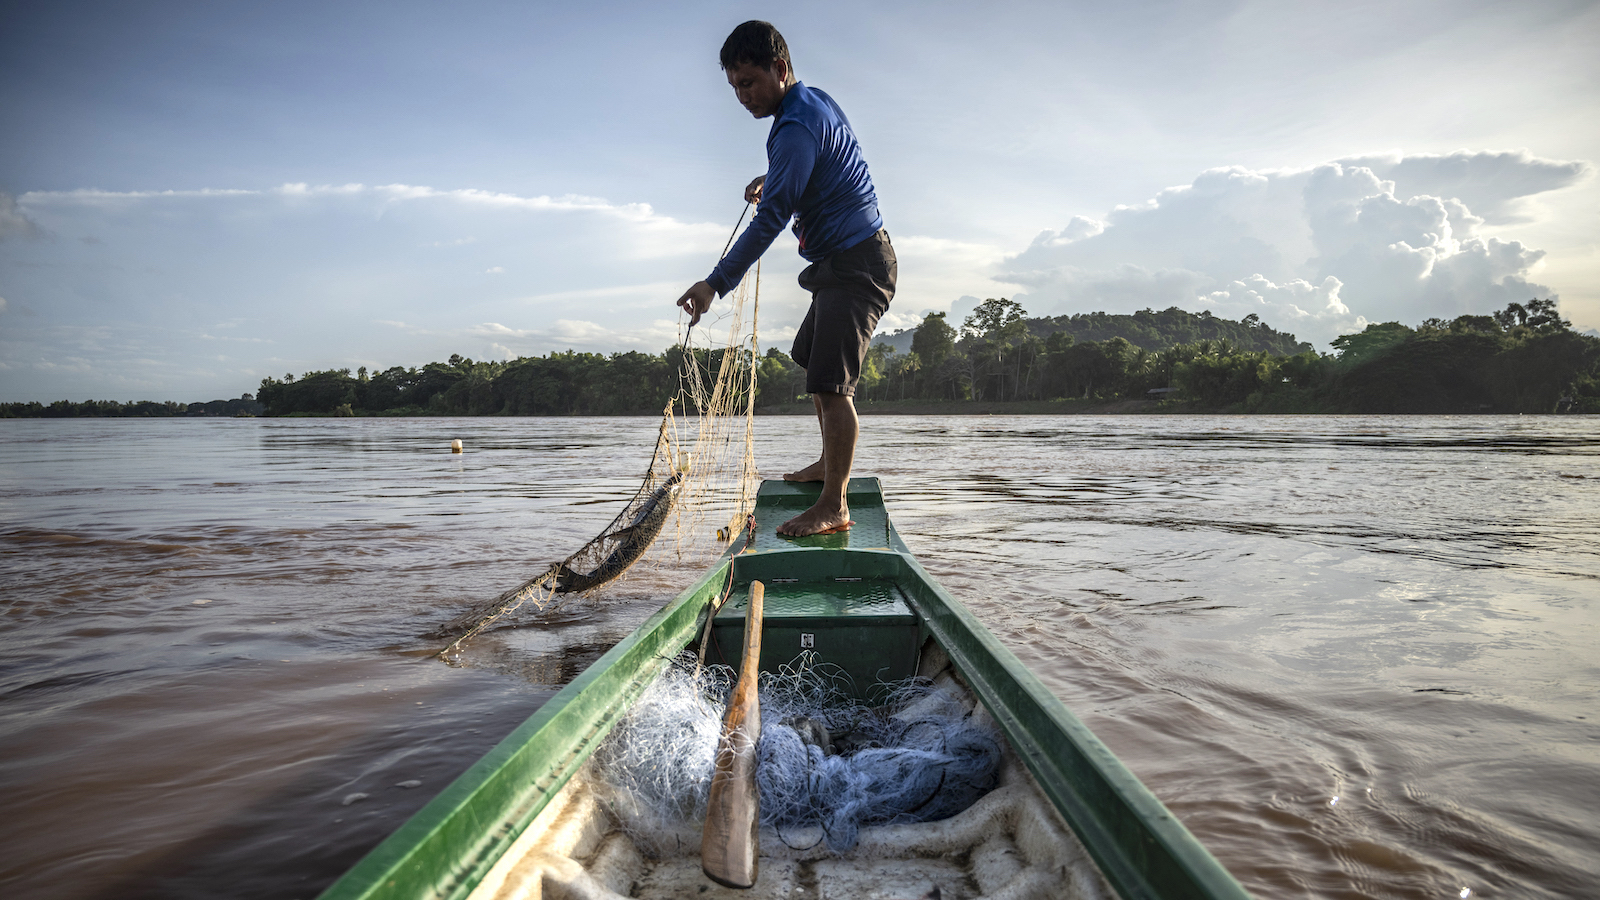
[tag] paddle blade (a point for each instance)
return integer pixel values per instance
(730, 846)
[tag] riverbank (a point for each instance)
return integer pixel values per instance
(1065, 407)
(1059, 407)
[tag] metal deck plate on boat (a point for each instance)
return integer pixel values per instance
(862, 627)
(870, 598)
(780, 501)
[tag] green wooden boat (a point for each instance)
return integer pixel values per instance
(1068, 819)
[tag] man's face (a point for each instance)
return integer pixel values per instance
(759, 90)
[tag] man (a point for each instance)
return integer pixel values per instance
(815, 175)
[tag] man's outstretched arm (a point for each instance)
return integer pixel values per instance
(788, 174)
(791, 158)
(697, 299)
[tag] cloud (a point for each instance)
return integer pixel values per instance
(576, 334)
(403, 326)
(1320, 251)
(1494, 185)
(1300, 300)
(578, 331)
(96, 197)
(895, 321)
(609, 292)
(645, 233)
(328, 276)
(1079, 228)
(125, 361)
(14, 222)
(933, 272)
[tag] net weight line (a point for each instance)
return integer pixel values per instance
(667, 480)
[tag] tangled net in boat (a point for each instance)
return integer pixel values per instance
(825, 760)
(698, 487)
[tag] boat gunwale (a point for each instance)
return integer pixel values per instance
(538, 757)
(1140, 847)
(1121, 854)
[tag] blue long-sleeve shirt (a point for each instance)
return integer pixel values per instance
(815, 175)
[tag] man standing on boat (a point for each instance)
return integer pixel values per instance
(817, 176)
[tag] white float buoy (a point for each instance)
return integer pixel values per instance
(683, 460)
(455, 446)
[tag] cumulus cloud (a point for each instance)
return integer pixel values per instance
(1292, 303)
(1320, 251)
(1495, 185)
(1079, 228)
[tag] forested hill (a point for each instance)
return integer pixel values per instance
(1171, 327)
(1150, 330)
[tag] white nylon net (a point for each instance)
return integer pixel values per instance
(695, 494)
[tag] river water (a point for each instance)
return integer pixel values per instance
(1358, 656)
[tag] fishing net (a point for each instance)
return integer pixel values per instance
(825, 760)
(698, 488)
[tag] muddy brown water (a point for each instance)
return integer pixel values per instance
(1358, 656)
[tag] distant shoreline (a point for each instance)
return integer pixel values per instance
(880, 408)
(993, 408)
(1523, 359)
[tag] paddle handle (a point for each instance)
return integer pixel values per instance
(744, 692)
(730, 845)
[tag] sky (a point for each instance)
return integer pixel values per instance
(197, 195)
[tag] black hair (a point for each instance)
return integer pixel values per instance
(755, 43)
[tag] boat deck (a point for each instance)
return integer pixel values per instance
(860, 623)
(780, 501)
(862, 628)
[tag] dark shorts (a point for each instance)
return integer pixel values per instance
(850, 292)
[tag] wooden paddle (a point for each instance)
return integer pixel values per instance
(729, 845)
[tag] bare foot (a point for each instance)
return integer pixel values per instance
(817, 520)
(812, 472)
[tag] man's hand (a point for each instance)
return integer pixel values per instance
(696, 300)
(752, 194)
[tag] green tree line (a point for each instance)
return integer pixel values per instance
(68, 409)
(1524, 358)
(1150, 330)
(560, 384)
